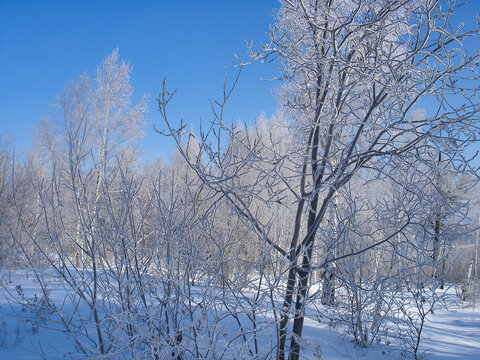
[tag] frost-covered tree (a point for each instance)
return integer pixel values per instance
(84, 220)
(6, 197)
(353, 71)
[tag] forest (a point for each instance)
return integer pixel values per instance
(355, 209)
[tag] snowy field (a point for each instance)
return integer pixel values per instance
(453, 332)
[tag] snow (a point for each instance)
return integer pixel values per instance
(452, 332)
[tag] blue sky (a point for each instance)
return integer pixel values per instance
(46, 43)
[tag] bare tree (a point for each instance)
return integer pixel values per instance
(82, 183)
(352, 71)
(6, 197)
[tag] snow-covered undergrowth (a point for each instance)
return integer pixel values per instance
(53, 323)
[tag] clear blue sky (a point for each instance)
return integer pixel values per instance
(46, 43)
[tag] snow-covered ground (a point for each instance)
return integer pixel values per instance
(452, 332)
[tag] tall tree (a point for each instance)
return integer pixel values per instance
(353, 71)
(83, 186)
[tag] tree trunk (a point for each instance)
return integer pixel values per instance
(469, 279)
(328, 287)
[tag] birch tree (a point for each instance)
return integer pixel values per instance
(84, 224)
